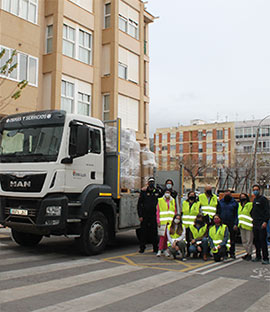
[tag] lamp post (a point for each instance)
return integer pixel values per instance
(254, 161)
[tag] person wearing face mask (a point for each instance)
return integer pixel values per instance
(174, 194)
(209, 203)
(245, 224)
(166, 210)
(147, 204)
(199, 241)
(176, 237)
(190, 209)
(218, 239)
(260, 214)
(228, 211)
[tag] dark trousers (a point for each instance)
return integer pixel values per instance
(220, 254)
(232, 238)
(188, 236)
(148, 233)
(260, 243)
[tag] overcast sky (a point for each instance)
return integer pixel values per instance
(209, 59)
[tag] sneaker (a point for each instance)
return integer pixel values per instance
(232, 257)
(183, 259)
(256, 259)
(265, 262)
(248, 258)
(166, 253)
(204, 257)
(158, 253)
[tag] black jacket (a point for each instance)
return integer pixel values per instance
(147, 202)
(260, 211)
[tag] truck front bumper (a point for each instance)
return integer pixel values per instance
(37, 216)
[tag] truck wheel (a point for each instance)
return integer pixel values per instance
(25, 239)
(94, 235)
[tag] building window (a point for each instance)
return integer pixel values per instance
(164, 148)
(247, 132)
(173, 147)
(107, 15)
(84, 47)
(239, 133)
(123, 23)
(220, 159)
(200, 148)
(27, 66)
(69, 41)
(122, 70)
(164, 137)
(181, 148)
(173, 136)
(209, 135)
(219, 134)
(106, 107)
(209, 157)
(219, 147)
(26, 9)
(181, 137)
(133, 29)
(248, 149)
(84, 104)
(67, 96)
(49, 38)
(200, 135)
(164, 159)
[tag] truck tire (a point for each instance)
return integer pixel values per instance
(26, 239)
(94, 236)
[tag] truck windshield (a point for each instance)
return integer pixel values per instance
(33, 144)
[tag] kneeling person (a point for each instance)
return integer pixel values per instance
(199, 241)
(176, 237)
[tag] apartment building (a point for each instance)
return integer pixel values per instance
(87, 57)
(210, 144)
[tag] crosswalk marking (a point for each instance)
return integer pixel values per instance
(59, 284)
(261, 305)
(112, 295)
(46, 268)
(208, 292)
(29, 258)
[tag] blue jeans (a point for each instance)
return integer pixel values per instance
(204, 245)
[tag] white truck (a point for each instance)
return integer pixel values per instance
(56, 178)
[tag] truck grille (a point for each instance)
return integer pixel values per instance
(29, 183)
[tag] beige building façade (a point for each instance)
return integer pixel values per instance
(84, 56)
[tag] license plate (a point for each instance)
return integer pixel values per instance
(19, 212)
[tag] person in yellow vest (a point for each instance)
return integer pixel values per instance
(199, 241)
(166, 210)
(245, 224)
(176, 237)
(218, 237)
(190, 209)
(209, 203)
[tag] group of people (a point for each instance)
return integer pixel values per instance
(203, 225)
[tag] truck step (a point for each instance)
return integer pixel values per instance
(74, 204)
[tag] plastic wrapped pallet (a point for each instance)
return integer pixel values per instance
(148, 165)
(111, 138)
(130, 172)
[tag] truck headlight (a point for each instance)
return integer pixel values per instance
(53, 211)
(52, 222)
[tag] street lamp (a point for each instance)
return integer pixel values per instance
(254, 161)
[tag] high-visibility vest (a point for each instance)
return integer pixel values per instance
(244, 217)
(195, 233)
(166, 215)
(190, 213)
(173, 236)
(208, 208)
(218, 236)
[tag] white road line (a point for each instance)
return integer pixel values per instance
(27, 258)
(208, 292)
(261, 305)
(224, 265)
(109, 296)
(12, 294)
(46, 268)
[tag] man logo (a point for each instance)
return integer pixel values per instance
(17, 184)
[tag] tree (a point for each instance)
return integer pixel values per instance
(5, 70)
(194, 168)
